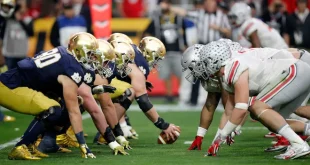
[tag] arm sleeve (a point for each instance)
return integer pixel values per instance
(76, 74)
(54, 37)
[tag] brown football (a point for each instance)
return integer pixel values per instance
(162, 138)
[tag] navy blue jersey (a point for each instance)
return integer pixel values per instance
(41, 73)
(89, 77)
(141, 63)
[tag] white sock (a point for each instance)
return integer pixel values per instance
(123, 124)
(217, 134)
(228, 128)
(307, 129)
(201, 131)
(238, 128)
(287, 132)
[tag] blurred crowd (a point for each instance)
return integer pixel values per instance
(178, 23)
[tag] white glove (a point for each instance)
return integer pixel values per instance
(117, 148)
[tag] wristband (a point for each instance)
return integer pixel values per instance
(80, 137)
(161, 124)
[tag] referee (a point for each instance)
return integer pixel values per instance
(211, 24)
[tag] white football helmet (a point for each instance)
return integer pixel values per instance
(190, 60)
(239, 13)
(234, 46)
(214, 55)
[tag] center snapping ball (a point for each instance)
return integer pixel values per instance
(162, 138)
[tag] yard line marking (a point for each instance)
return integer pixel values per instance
(14, 141)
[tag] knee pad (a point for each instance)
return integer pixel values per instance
(144, 102)
(125, 103)
(52, 115)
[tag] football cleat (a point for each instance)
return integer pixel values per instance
(295, 151)
(196, 143)
(21, 153)
(35, 152)
(101, 140)
(214, 148)
(281, 145)
(65, 141)
(271, 135)
(9, 118)
(63, 150)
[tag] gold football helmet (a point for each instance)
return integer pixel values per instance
(120, 37)
(83, 47)
(7, 8)
(125, 54)
(153, 50)
(105, 58)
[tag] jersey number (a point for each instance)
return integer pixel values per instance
(47, 58)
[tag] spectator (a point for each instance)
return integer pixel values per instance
(15, 36)
(81, 8)
(66, 25)
(198, 4)
(131, 8)
(276, 16)
(298, 25)
(170, 29)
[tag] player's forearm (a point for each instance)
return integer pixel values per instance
(2, 60)
(108, 109)
(152, 115)
(208, 109)
(95, 112)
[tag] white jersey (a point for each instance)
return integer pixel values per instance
(268, 36)
(261, 71)
(212, 84)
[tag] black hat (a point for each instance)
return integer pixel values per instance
(198, 2)
(167, 1)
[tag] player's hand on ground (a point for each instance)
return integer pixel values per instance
(215, 146)
(103, 89)
(196, 145)
(171, 131)
(117, 148)
(149, 86)
(230, 140)
(85, 151)
(123, 142)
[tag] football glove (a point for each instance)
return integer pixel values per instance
(85, 151)
(3, 68)
(149, 86)
(123, 142)
(103, 89)
(117, 148)
(196, 143)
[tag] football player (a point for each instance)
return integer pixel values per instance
(253, 29)
(149, 53)
(104, 59)
(248, 75)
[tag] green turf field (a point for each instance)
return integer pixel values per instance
(247, 150)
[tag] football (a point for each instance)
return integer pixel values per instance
(162, 138)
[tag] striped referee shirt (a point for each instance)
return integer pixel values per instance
(203, 20)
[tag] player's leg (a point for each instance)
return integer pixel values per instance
(34, 103)
(283, 92)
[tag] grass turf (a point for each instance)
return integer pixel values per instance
(248, 148)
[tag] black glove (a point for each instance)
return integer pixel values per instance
(149, 86)
(103, 89)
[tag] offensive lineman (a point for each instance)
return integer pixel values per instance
(248, 75)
